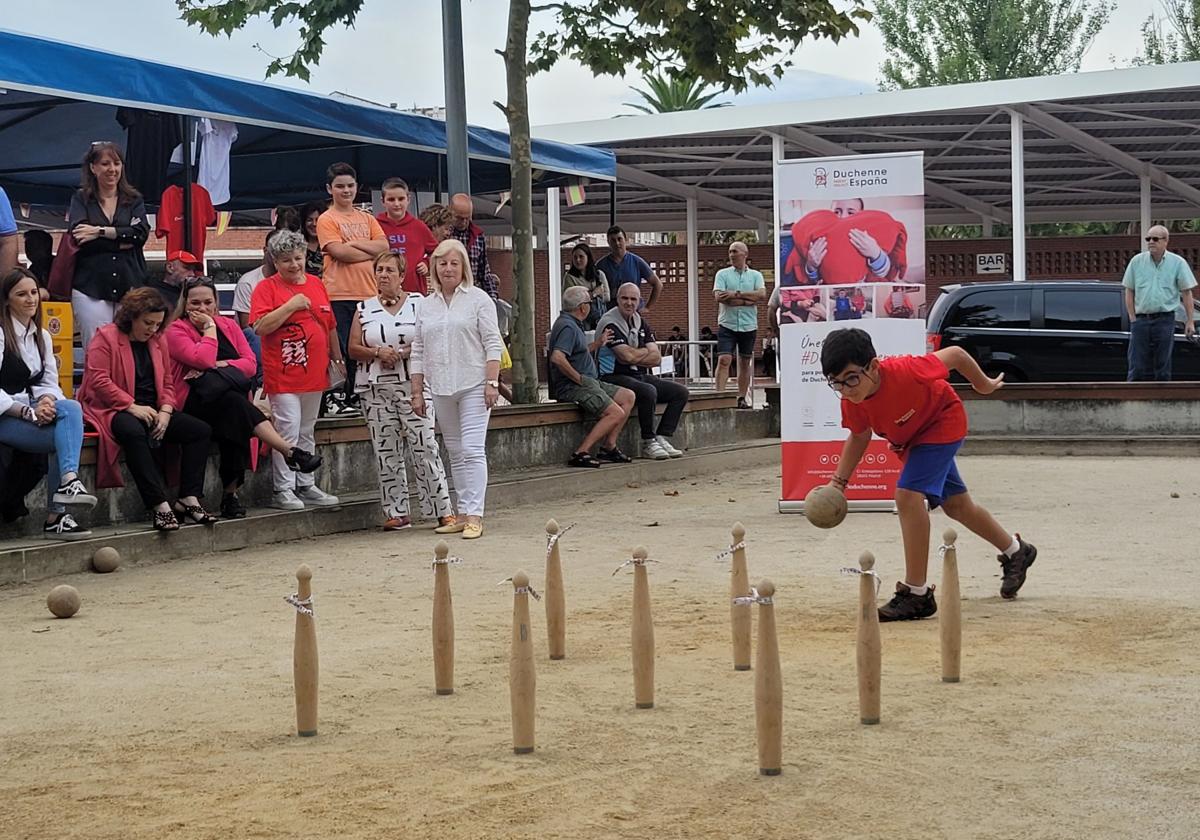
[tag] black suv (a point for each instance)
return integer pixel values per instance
(1046, 330)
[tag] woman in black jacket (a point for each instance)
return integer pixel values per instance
(108, 220)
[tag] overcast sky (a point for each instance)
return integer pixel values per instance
(394, 54)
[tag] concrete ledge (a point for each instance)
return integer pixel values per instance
(24, 561)
(1174, 446)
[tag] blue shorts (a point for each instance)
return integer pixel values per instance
(930, 470)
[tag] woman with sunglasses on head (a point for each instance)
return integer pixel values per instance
(128, 397)
(107, 220)
(212, 366)
(35, 415)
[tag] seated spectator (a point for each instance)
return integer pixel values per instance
(127, 397)
(181, 266)
(381, 340)
(291, 313)
(212, 368)
(573, 378)
(626, 357)
(39, 250)
(439, 219)
(35, 416)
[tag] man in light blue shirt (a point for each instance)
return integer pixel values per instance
(1155, 281)
(739, 290)
(8, 235)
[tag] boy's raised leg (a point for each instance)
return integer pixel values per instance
(1016, 555)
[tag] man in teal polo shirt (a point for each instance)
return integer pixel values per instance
(739, 290)
(1155, 280)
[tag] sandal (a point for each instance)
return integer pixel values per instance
(195, 513)
(583, 459)
(164, 520)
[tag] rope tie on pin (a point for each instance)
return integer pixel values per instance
(522, 590)
(633, 561)
(729, 551)
(303, 606)
(552, 539)
(446, 561)
(754, 598)
(850, 570)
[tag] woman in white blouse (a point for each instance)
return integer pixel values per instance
(456, 357)
(35, 415)
(381, 342)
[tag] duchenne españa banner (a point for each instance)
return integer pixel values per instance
(851, 233)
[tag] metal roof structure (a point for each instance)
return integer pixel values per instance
(1096, 146)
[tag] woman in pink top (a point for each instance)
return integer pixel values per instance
(211, 368)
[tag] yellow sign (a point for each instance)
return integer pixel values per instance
(58, 321)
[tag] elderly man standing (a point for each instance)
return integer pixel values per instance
(628, 353)
(739, 290)
(573, 378)
(1155, 280)
(462, 208)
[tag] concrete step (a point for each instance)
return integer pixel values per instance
(1083, 445)
(28, 559)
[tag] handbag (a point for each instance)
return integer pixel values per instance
(337, 376)
(216, 382)
(62, 271)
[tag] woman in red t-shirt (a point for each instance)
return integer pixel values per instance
(291, 312)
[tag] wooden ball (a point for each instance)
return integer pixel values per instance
(825, 506)
(106, 559)
(63, 601)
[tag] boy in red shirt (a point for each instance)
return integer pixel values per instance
(907, 400)
(406, 235)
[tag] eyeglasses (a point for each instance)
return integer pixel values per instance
(1154, 238)
(847, 383)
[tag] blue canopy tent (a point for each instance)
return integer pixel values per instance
(56, 98)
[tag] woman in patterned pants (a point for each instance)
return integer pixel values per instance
(380, 342)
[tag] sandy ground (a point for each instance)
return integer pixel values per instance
(165, 708)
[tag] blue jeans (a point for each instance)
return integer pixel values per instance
(256, 345)
(1151, 340)
(61, 440)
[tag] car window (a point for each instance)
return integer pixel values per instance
(993, 308)
(1083, 309)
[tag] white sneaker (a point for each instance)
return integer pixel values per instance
(286, 500)
(316, 496)
(665, 443)
(652, 448)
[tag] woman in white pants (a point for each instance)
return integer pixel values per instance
(381, 342)
(291, 312)
(456, 357)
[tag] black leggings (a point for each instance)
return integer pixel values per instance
(232, 418)
(190, 434)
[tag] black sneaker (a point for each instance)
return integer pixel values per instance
(232, 507)
(613, 456)
(1015, 568)
(905, 606)
(74, 493)
(743, 404)
(65, 528)
(302, 461)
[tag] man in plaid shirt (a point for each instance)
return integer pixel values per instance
(470, 235)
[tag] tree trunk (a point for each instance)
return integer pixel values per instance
(524, 347)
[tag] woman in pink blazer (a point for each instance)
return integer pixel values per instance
(212, 366)
(128, 398)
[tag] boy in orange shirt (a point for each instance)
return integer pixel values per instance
(908, 401)
(350, 239)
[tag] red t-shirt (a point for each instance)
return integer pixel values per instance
(169, 222)
(412, 238)
(296, 356)
(914, 404)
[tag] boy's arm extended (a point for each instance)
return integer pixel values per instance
(852, 452)
(960, 360)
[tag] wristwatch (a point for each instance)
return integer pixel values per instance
(495, 383)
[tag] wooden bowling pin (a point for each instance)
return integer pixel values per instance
(443, 622)
(556, 605)
(739, 613)
(522, 678)
(950, 614)
(869, 646)
(304, 657)
(643, 634)
(768, 686)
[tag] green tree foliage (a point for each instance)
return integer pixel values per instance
(731, 44)
(941, 42)
(1175, 38)
(667, 93)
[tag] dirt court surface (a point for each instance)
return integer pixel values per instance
(165, 708)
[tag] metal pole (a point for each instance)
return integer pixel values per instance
(1017, 126)
(554, 252)
(458, 171)
(188, 128)
(612, 203)
(693, 289)
(1146, 218)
